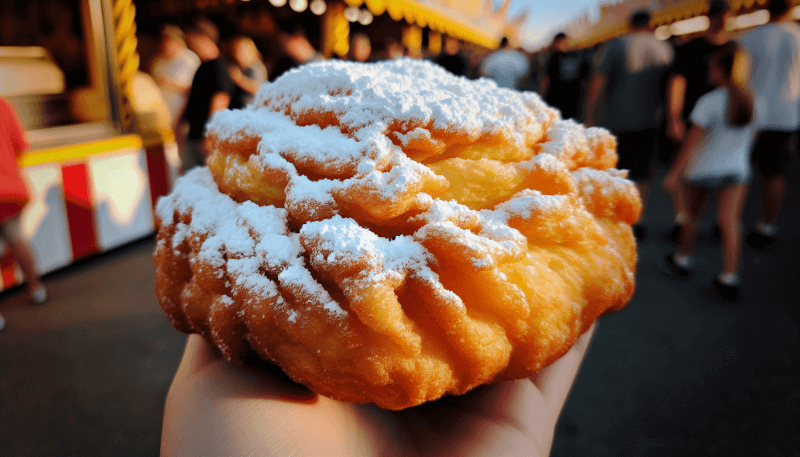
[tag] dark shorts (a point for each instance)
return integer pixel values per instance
(716, 182)
(772, 152)
(636, 151)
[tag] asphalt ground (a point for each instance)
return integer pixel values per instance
(677, 372)
(681, 372)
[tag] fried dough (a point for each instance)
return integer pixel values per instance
(391, 233)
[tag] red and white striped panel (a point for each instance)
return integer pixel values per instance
(84, 207)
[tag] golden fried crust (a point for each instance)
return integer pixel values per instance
(391, 258)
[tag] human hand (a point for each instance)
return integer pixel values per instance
(215, 407)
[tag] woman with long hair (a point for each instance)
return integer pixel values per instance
(715, 158)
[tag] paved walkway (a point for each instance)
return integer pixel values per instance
(86, 374)
(678, 372)
(674, 373)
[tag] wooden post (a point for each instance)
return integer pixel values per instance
(127, 58)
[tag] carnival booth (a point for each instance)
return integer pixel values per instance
(98, 159)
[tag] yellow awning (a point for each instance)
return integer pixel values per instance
(601, 35)
(693, 8)
(433, 17)
(739, 4)
(675, 12)
(680, 11)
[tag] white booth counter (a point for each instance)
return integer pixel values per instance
(93, 188)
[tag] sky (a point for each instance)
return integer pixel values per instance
(546, 17)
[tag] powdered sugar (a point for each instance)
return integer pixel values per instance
(372, 117)
(523, 203)
(243, 239)
(403, 90)
(345, 240)
(342, 136)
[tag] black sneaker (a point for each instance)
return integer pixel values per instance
(758, 240)
(727, 291)
(674, 268)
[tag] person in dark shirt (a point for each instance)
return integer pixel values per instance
(565, 73)
(627, 74)
(689, 79)
(297, 51)
(451, 58)
(211, 91)
(687, 83)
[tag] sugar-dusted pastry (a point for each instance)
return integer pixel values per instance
(391, 233)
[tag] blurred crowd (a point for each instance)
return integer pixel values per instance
(714, 109)
(205, 67)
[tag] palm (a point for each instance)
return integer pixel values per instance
(218, 408)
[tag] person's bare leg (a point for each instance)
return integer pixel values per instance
(772, 199)
(24, 257)
(696, 200)
(729, 213)
(678, 198)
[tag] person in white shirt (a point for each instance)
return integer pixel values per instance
(715, 157)
(687, 82)
(775, 50)
(173, 69)
(246, 69)
(507, 66)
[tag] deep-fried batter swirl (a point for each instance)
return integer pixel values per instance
(391, 233)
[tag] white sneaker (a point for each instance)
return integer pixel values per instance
(39, 296)
(2, 323)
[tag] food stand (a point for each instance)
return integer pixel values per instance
(95, 166)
